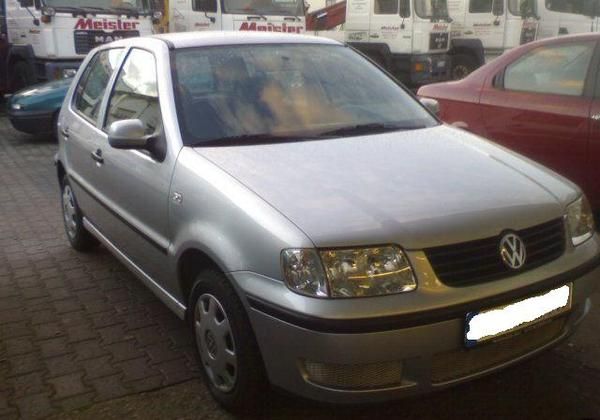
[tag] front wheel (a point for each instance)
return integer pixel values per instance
(462, 66)
(231, 363)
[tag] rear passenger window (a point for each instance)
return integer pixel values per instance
(93, 82)
(135, 95)
(558, 69)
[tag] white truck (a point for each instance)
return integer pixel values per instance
(409, 38)
(47, 39)
(236, 15)
(498, 25)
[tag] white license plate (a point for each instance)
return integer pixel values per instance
(489, 324)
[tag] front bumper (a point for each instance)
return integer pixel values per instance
(32, 122)
(360, 360)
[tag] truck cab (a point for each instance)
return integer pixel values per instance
(566, 17)
(408, 38)
(493, 25)
(48, 39)
(237, 15)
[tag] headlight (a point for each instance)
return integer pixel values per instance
(303, 272)
(17, 107)
(68, 73)
(343, 273)
(580, 221)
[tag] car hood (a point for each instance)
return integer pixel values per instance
(38, 97)
(418, 188)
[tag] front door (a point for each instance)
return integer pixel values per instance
(135, 183)
(481, 23)
(541, 109)
(593, 168)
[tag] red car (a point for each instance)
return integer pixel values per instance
(541, 100)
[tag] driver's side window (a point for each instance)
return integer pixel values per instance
(555, 69)
(135, 93)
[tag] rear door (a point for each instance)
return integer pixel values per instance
(79, 129)
(539, 106)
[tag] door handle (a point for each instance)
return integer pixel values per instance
(65, 132)
(97, 156)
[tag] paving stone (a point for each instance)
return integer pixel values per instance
(136, 369)
(88, 349)
(25, 363)
(35, 406)
(61, 365)
(27, 384)
(68, 385)
(98, 367)
(108, 387)
(124, 350)
(54, 347)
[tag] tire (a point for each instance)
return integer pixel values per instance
(79, 238)
(21, 76)
(462, 66)
(227, 351)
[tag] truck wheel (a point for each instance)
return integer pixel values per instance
(21, 76)
(228, 354)
(462, 66)
(79, 238)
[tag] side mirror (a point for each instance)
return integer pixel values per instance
(432, 105)
(498, 7)
(127, 134)
(404, 8)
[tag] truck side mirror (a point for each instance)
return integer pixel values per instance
(205, 6)
(404, 8)
(498, 7)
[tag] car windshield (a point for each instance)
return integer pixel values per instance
(523, 8)
(286, 92)
(431, 9)
(109, 6)
(265, 7)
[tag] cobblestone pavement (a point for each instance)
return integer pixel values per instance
(79, 331)
(75, 329)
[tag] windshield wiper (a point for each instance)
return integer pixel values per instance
(370, 128)
(284, 13)
(247, 139)
(255, 12)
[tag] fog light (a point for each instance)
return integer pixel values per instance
(360, 376)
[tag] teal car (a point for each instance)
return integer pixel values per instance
(34, 110)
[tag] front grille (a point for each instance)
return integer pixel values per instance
(480, 261)
(455, 365)
(354, 377)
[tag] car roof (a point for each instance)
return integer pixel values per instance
(213, 38)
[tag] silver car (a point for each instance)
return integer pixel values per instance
(316, 225)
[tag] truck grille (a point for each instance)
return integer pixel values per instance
(480, 261)
(85, 41)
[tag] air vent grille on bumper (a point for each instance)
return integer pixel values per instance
(455, 365)
(354, 377)
(480, 261)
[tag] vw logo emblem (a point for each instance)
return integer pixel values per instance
(512, 251)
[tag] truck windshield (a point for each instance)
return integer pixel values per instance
(431, 9)
(265, 7)
(523, 8)
(106, 6)
(235, 95)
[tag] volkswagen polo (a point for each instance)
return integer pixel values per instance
(319, 229)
